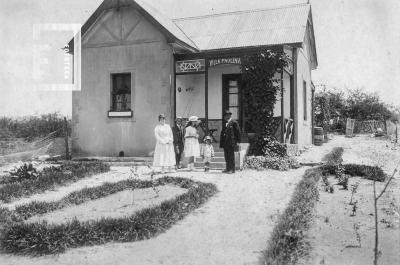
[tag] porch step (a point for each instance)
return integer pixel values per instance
(214, 159)
(217, 162)
(213, 165)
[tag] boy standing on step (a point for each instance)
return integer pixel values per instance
(207, 153)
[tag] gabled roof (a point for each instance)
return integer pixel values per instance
(164, 24)
(291, 25)
(285, 25)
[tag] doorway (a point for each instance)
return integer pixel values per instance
(232, 97)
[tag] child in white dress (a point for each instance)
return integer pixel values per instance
(207, 152)
(164, 154)
(192, 146)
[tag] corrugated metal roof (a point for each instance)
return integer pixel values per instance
(285, 25)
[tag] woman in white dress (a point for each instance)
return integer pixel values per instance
(164, 154)
(192, 147)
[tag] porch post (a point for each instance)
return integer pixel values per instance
(174, 73)
(282, 110)
(206, 93)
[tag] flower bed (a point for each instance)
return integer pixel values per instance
(51, 177)
(42, 238)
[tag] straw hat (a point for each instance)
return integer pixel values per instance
(193, 118)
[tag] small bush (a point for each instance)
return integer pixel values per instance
(271, 162)
(267, 146)
(24, 172)
(43, 238)
(334, 157)
(344, 181)
(50, 178)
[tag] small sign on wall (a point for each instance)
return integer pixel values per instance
(189, 66)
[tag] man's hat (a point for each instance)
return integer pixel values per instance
(228, 112)
(178, 118)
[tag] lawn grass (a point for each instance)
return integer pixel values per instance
(51, 177)
(41, 238)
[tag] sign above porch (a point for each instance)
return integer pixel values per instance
(231, 60)
(189, 66)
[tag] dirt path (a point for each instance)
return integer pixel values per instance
(336, 236)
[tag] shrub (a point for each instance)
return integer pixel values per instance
(42, 238)
(271, 162)
(287, 242)
(50, 178)
(24, 172)
(344, 181)
(267, 146)
(334, 157)
(364, 171)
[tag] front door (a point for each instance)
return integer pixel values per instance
(232, 96)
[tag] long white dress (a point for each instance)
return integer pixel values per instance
(164, 154)
(192, 146)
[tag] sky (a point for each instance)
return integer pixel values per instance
(357, 44)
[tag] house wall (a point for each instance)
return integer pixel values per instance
(190, 95)
(303, 127)
(121, 41)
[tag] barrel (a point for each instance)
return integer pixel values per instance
(318, 135)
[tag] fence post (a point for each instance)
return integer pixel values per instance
(66, 139)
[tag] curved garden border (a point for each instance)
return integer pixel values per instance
(43, 238)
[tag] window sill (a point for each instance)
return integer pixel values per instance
(120, 114)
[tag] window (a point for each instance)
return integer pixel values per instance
(121, 92)
(305, 100)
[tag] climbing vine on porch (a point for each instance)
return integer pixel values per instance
(260, 90)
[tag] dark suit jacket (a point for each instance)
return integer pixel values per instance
(230, 134)
(179, 135)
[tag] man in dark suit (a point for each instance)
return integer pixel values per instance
(179, 133)
(230, 138)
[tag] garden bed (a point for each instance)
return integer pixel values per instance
(39, 238)
(50, 178)
(288, 243)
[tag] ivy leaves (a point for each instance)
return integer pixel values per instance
(260, 89)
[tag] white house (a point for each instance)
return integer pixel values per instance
(138, 63)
